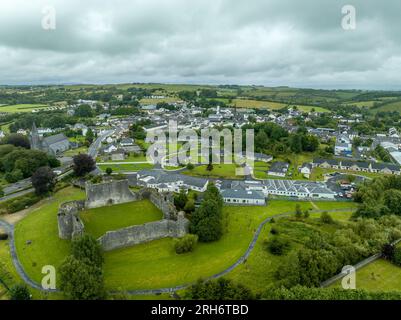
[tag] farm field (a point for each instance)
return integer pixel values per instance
(156, 101)
(245, 103)
(393, 106)
(21, 108)
(100, 220)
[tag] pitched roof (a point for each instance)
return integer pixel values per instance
(242, 194)
(55, 139)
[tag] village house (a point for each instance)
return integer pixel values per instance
(243, 197)
(278, 169)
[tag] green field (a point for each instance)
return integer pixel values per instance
(100, 220)
(227, 171)
(247, 103)
(74, 152)
(380, 275)
(40, 227)
(21, 108)
(393, 106)
(151, 265)
(258, 271)
(120, 168)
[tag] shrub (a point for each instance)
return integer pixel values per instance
(14, 176)
(274, 231)
(190, 166)
(20, 292)
(186, 243)
(278, 246)
(326, 218)
(397, 256)
(19, 203)
(109, 171)
(220, 289)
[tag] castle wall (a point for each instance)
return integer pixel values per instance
(69, 223)
(115, 192)
(173, 224)
(144, 233)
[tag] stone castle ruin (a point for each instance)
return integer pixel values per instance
(174, 224)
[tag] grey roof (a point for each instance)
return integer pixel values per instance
(160, 177)
(242, 194)
(55, 139)
(390, 166)
(279, 166)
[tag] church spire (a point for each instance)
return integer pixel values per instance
(35, 138)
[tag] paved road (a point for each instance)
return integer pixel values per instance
(95, 146)
(244, 257)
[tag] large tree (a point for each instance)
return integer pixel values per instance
(83, 164)
(80, 280)
(43, 180)
(17, 140)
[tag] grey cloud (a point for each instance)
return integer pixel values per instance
(271, 42)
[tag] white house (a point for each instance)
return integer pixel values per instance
(243, 197)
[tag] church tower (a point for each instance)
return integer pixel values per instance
(35, 138)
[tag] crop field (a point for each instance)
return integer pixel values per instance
(16, 108)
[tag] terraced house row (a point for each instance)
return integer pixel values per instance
(362, 166)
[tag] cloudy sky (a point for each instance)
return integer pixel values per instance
(269, 42)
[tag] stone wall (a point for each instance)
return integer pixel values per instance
(103, 194)
(144, 233)
(69, 223)
(174, 224)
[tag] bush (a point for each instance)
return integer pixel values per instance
(397, 256)
(20, 292)
(19, 203)
(190, 166)
(14, 176)
(109, 171)
(274, 231)
(220, 289)
(186, 244)
(278, 246)
(326, 218)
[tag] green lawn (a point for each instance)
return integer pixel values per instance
(119, 168)
(9, 275)
(40, 227)
(219, 171)
(100, 220)
(154, 264)
(317, 173)
(380, 275)
(74, 152)
(21, 108)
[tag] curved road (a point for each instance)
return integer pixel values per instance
(10, 229)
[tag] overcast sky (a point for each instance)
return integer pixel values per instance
(270, 42)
